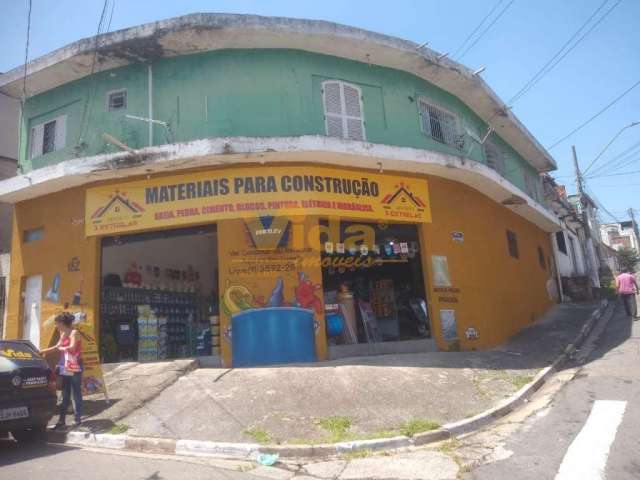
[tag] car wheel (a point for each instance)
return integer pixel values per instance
(36, 433)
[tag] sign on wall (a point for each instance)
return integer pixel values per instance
(241, 193)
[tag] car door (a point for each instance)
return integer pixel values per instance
(32, 299)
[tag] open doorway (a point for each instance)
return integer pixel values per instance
(372, 278)
(159, 295)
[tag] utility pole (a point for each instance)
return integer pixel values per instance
(635, 227)
(588, 247)
(580, 187)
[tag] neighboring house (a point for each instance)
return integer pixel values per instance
(619, 235)
(8, 165)
(569, 244)
(588, 210)
(256, 163)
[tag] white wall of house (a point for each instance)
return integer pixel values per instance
(570, 263)
(618, 236)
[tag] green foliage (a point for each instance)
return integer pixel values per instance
(628, 258)
(337, 427)
(417, 425)
(118, 428)
(260, 435)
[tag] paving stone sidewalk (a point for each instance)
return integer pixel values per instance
(339, 400)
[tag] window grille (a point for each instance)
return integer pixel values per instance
(117, 100)
(440, 124)
(48, 137)
(343, 112)
(495, 157)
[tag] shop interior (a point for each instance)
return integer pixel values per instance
(373, 283)
(159, 295)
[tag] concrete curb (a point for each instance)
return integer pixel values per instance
(252, 450)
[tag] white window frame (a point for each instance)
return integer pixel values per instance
(428, 103)
(343, 117)
(36, 136)
(113, 92)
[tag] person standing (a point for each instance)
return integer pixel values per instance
(627, 289)
(69, 367)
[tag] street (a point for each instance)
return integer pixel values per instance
(57, 462)
(578, 436)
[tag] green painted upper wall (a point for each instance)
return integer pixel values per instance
(256, 93)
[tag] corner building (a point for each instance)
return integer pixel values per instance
(253, 190)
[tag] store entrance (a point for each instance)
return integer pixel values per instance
(159, 295)
(372, 278)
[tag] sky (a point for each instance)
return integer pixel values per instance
(521, 41)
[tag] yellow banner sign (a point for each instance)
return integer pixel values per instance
(243, 193)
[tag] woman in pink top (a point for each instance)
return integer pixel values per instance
(70, 368)
(627, 289)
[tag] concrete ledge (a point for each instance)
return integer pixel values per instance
(249, 450)
(215, 449)
(151, 445)
(383, 348)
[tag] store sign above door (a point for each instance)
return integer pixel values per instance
(201, 197)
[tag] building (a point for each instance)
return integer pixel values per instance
(8, 165)
(273, 190)
(619, 235)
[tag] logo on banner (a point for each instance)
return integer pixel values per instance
(267, 232)
(118, 208)
(403, 202)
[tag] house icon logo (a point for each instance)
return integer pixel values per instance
(403, 198)
(118, 207)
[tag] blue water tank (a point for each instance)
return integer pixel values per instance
(264, 336)
(335, 324)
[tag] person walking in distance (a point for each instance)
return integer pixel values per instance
(70, 367)
(627, 289)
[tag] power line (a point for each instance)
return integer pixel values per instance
(85, 110)
(482, 34)
(618, 160)
(477, 28)
(584, 124)
(631, 125)
(615, 174)
(553, 61)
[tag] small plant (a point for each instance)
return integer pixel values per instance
(520, 381)
(357, 454)
(260, 435)
(337, 427)
(417, 425)
(118, 428)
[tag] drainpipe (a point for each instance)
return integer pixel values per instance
(150, 101)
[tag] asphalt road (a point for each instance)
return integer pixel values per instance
(591, 430)
(51, 462)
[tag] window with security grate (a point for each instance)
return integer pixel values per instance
(530, 185)
(512, 244)
(48, 136)
(440, 124)
(117, 100)
(343, 112)
(495, 156)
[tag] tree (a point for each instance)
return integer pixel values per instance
(628, 258)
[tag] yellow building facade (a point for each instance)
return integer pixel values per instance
(484, 268)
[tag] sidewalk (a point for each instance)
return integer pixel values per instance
(340, 400)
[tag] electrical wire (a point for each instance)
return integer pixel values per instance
(562, 53)
(619, 160)
(587, 122)
(615, 137)
(85, 110)
(24, 86)
(462, 45)
(496, 18)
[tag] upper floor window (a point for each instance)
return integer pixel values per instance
(117, 100)
(560, 241)
(512, 244)
(343, 113)
(439, 124)
(530, 185)
(495, 156)
(48, 136)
